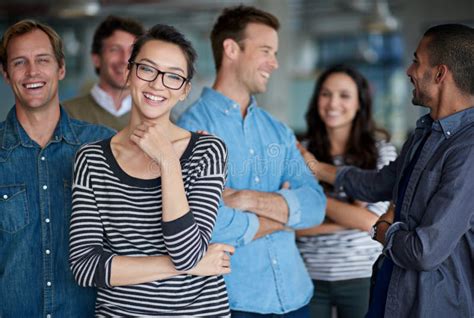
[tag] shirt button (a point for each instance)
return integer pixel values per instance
(46, 220)
(235, 106)
(257, 179)
(43, 158)
(48, 316)
(56, 137)
(48, 252)
(251, 151)
(5, 196)
(48, 284)
(45, 187)
(226, 111)
(448, 133)
(274, 262)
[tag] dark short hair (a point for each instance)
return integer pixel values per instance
(361, 149)
(167, 34)
(109, 26)
(25, 26)
(453, 46)
(231, 24)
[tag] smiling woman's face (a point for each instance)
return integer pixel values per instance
(338, 101)
(153, 99)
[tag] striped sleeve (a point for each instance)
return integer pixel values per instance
(187, 238)
(90, 264)
(387, 153)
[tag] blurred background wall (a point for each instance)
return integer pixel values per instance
(376, 36)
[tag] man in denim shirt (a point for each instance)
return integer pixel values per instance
(37, 146)
(268, 275)
(428, 237)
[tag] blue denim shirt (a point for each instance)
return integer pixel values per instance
(35, 206)
(268, 274)
(432, 246)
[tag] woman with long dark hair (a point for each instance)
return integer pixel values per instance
(339, 253)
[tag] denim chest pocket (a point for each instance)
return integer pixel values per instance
(13, 208)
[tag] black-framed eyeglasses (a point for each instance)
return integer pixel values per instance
(149, 73)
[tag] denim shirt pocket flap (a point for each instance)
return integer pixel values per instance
(13, 208)
(4, 155)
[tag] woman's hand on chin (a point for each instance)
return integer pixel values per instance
(152, 139)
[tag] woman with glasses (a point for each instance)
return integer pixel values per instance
(339, 253)
(145, 201)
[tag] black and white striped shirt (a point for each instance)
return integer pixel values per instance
(347, 254)
(116, 214)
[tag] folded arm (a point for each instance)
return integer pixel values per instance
(127, 270)
(269, 205)
(448, 216)
(328, 226)
(93, 266)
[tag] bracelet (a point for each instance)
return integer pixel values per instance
(382, 221)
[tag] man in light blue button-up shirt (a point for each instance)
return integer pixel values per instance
(38, 142)
(270, 190)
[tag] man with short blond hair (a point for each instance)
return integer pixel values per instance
(38, 142)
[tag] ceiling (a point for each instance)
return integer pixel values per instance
(310, 8)
(316, 16)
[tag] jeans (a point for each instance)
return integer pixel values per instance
(350, 297)
(303, 312)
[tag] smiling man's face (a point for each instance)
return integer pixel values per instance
(257, 59)
(33, 71)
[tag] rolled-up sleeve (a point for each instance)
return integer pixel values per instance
(294, 206)
(235, 227)
(305, 199)
(448, 216)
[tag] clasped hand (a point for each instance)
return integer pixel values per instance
(152, 139)
(216, 261)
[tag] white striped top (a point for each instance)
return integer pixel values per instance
(114, 213)
(347, 254)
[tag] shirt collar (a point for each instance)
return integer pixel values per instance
(107, 103)
(64, 130)
(424, 122)
(224, 103)
(14, 134)
(449, 125)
